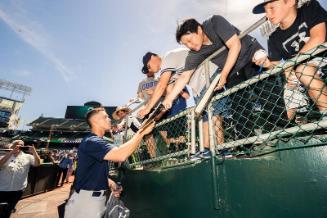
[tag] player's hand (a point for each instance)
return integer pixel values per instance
(115, 188)
(148, 128)
(142, 113)
(117, 191)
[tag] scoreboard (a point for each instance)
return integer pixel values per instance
(9, 110)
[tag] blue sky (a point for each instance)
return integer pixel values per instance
(71, 52)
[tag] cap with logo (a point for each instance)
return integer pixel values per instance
(259, 9)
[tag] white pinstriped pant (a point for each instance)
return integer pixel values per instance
(84, 205)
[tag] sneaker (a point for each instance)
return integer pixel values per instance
(206, 154)
(196, 156)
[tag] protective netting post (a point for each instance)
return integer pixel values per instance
(193, 138)
(201, 139)
(211, 130)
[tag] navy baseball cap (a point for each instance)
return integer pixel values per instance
(259, 9)
(146, 59)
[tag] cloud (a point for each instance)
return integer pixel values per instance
(24, 73)
(239, 13)
(26, 30)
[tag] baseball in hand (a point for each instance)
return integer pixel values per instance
(260, 54)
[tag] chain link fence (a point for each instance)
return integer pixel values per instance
(285, 104)
(169, 141)
(281, 104)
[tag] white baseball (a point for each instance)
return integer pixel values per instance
(260, 54)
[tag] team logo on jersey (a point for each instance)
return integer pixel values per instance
(149, 85)
(294, 43)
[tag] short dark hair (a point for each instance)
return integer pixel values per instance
(91, 113)
(186, 27)
(146, 58)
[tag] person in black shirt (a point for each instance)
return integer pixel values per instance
(234, 66)
(300, 29)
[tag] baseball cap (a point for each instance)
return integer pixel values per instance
(146, 59)
(259, 9)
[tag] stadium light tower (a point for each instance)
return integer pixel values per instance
(15, 88)
(10, 106)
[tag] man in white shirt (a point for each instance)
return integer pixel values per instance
(14, 168)
(146, 86)
(170, 67)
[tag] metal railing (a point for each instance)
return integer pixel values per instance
(312, 119)
(245, 127)
(172, 139)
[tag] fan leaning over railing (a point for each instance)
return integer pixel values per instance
(264, 96)
(182, 139)
(307, 120)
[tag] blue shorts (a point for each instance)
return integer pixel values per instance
(178, 105)
(221, 107)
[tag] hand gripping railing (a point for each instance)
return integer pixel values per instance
(208, 94)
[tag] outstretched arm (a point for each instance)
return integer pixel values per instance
(178, 87)
(121, 153)
(234, 47)
(158, 92)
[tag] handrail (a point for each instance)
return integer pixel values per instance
(273, 134)
(126, 118)
(199, 108)
(160, 158)
(181, 114)
(282, 66)
(278, 133)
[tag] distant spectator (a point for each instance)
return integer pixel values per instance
(120, 115)
(47, 157)
(71, 167)
(64, 164)
(14, 168)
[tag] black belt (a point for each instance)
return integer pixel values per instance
(95, 193)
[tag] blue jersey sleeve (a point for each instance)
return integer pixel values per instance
(97, 147)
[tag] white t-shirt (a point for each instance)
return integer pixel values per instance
(198, 80)
(13, 174)
(147, 86)
(174, 61)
